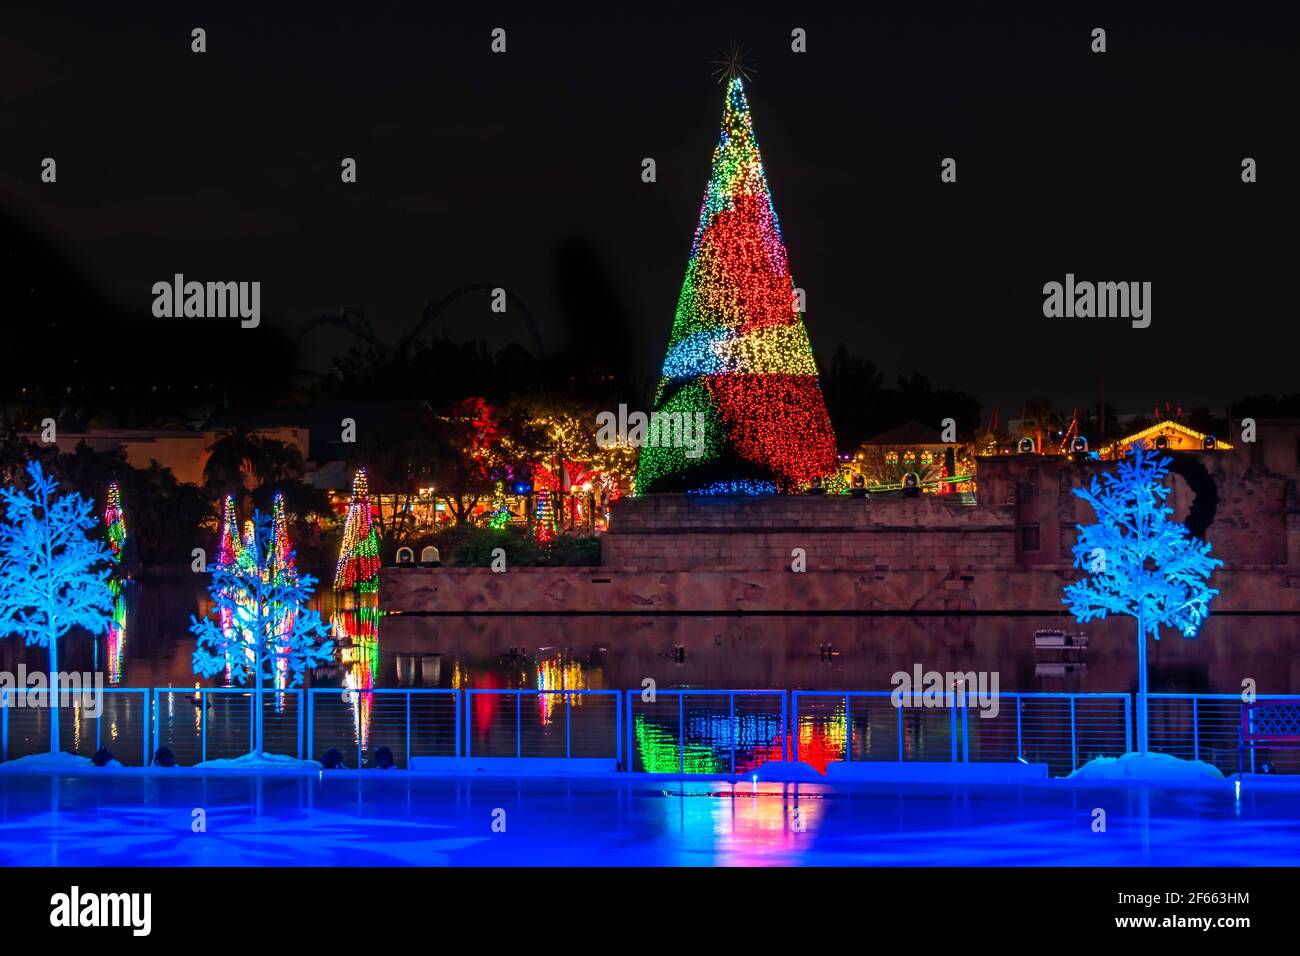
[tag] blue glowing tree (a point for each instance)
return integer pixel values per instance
(50, 575)
(261, 626)
(1140, 563)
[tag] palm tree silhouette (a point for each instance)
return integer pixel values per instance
(386, 361)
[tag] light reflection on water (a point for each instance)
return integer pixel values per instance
(149, 645)
(390, 821)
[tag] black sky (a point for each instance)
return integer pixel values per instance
(476, 167)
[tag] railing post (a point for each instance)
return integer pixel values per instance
(899, 711)
(952, 731)
(794, 730)
(456, 702)
(203, 726)
(1251, 718)
(1196, 730)
(965, 732)
(311, 722)
(1128, 724)
(681, 732)
(4, 725)
(787, 735)
(618, 729)
(408, 730)
(568, 726)
(356, 702)
(731, 720)
(848, 727)
(1020, 740)
(631, 732)
(519, 723)
(144, 731)
(302, 702)
(1074, 739)
(469, 723)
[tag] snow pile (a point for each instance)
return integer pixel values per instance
(52, 762)
(1149, 767)
(782, 771)
(259, 763)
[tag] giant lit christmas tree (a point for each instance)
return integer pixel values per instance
(358, 565)
(739, 354)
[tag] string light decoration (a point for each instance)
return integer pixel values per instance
(736, 488)
(281, 568)
(280, 561)
(359, 562)
(356, 630)
(229, 544)
(500, 514)
(739, 351)
(230, 549)
(115, 636)
(247, 555)
(1180, 437)
(543, 519)
(115, 520)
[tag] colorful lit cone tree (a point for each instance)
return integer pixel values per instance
(114, 642)
(499, 516)
(115, 522)
(230, 548)
(739, 353)
(281, 554)
(50, 580)
(1140, 563)
(274, 634)
(358, 565)
(281, 566)
(229, 545)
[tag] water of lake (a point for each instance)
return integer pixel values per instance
(150, 645)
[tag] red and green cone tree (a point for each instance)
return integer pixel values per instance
(739, 357)
(115, 521)
(358, 565)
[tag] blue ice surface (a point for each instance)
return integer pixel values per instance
(394, 820)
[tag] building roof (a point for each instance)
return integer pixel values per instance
(1167, 427)
(911, 433)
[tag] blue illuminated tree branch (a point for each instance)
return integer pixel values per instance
(1140, 563)
(260, 626)
(49, 576)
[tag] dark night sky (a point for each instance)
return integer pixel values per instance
(476, 168)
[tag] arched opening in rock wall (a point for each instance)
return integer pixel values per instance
(1206, 501)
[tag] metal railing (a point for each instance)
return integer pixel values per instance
(409, 722)
(706, 731)
(1062, 730)
(669, 731)
(122, 725)
(212, 723)
(1207, 727)
(543, 723)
